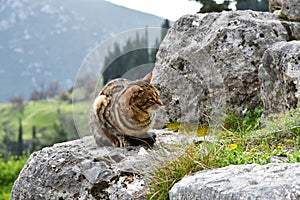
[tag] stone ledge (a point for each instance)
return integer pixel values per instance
(80, 170)
(272, 181)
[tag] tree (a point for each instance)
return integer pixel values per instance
(52, 89)
(121, 60)
(212, 6)
(134, 53)
(44, 91)
(165, 26)
(9, 141)
(63, 130)
(34, 139)
(37, 95)
(18, 100)
(20, 139)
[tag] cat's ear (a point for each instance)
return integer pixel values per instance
(135, 89)
(148, 77)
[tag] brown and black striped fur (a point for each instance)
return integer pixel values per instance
(122, 112)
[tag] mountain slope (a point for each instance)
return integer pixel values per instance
(42, 41)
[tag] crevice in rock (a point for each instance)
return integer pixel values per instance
(98, 190)
(288, 30)
(275, 32)
(292, 100)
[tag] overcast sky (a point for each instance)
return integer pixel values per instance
(167, 9)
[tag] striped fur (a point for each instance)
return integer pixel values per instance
(123, 110)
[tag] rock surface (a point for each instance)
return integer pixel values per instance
(291, 10)
(264, 182)
(80, 170)
(208, 63)
(293, 29)
(280, 77)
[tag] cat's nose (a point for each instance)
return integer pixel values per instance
(159, 102)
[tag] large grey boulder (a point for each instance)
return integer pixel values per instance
(208, 63)
(280, 77)
(291, 10)
(80, 170)
(264, 182)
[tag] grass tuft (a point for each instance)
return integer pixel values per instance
(244, 143)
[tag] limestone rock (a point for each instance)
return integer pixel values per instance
(291, 15)
(291, 10)
(208, 63)
(80, 170)
(293, 29)
(280, 77)
(271, 181)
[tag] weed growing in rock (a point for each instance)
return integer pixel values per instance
(250, 121)
(163, 178)
(278, 141)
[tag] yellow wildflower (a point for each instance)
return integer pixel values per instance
(279, 147)
(233, 146)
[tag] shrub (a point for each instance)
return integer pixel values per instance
(9, 171)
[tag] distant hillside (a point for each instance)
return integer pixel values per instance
(46, 40)
(42, 114)
(52, 120)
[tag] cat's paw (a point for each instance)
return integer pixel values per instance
(99, 101)
(137, 141)
(102, 141)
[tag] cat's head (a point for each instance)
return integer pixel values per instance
(144, 95)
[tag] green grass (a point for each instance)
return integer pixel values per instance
(9, 172)
(236, 145)
(42, 114)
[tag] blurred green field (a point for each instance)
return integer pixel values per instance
(41, 114)
(53, 120)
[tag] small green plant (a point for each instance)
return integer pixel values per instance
(164, 178)
(9, 171)
(250, 121)
(212, 155)
(279, 138)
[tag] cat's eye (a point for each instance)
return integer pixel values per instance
(152, 100)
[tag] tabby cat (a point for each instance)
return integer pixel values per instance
(122, 112)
